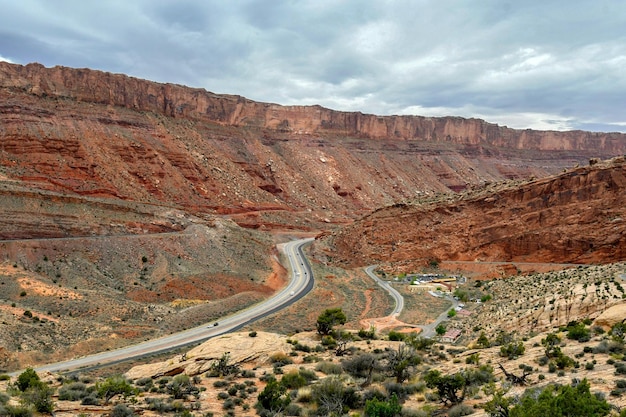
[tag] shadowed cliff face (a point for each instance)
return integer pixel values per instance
(576, 217)
(106, 135)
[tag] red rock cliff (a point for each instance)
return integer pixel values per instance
(576, 217)
(180, 101)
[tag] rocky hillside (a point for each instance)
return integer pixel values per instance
(578, 216)
(107, 135)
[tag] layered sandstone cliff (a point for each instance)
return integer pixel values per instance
(179, 101)
(102, 135)
(576, 217)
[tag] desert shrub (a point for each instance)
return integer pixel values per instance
(39, 395)
(222, 395)
(332, 397)
(395, 336)
(142, 382)
(302, 348)
(401, 391)
(308, 374)
(329, 342)
(620, 368)
(293, 380)
(382, 408)
(480, 376)
(512, 350)
(410, 412)
(293, 410)
(361, 366)
(121, 410)
(280, 359)
(367, 334)
(578, 331)
(223, 367)
(248, 373)
(9, 410)
(220, 383)
(73, 392)
(90, 399)
(181, 386)
(228, 404)
(460, 410)
(558, 401)
(329, 368)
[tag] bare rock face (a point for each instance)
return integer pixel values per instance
(241, 348)
(611, 316)
(576, 217)
(110, 136)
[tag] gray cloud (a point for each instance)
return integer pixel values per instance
(550, 65)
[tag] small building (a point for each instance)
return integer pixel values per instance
(451, 336)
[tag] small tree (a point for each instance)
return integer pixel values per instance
(330, 396)
(448, 386)
(330, 318)
(483, 341)
(401, 362)
(27, 379)
(39, 394)
(362, 366)
(112, 386)
(440, 329)
(273, 397)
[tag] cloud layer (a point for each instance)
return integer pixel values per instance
(532, 64)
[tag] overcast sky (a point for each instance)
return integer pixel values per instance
(544, 64)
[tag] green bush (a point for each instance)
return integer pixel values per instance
(382, 408)
(561, 401)
(293, 380)
(579, 332)
(395, 336)
(27, 379)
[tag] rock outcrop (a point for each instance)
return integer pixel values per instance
(575, 217)
(240, 347)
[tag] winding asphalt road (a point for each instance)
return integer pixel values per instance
(300, 284)
(398, 298)
(428, 330)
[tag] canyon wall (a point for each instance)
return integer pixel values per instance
(576, 217)
(179, 101)
(109, 136)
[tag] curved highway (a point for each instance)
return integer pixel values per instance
(300, 284)
(398, 298)
(428, 330)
